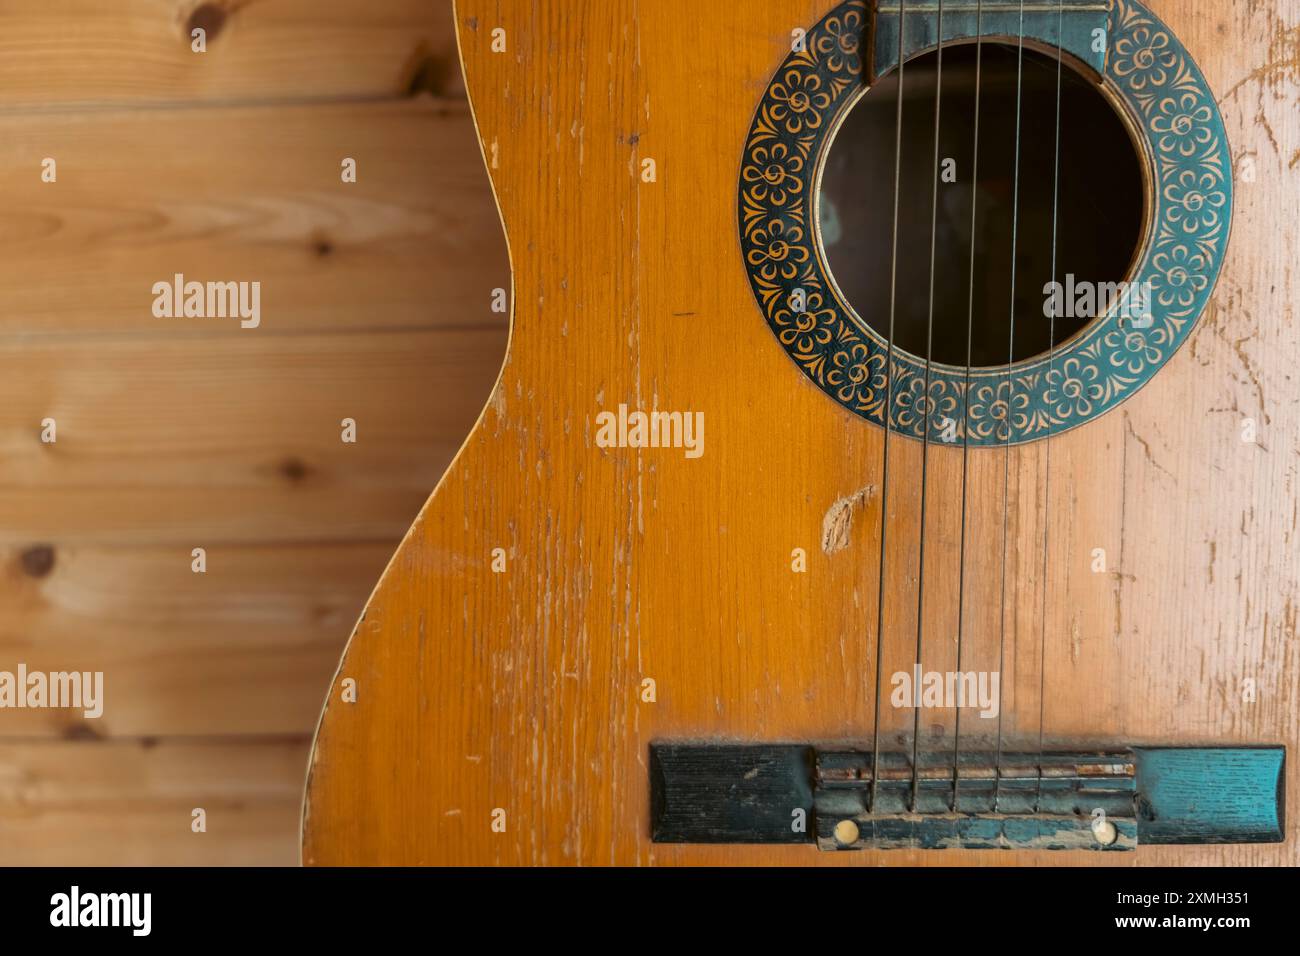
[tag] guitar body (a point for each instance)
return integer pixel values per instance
(559, 606)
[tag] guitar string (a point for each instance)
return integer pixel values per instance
(1047, 442)
(925, 425)
(889, 397)
(1006, 407)
(965, 434)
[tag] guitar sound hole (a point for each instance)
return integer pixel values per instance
(1099, 218)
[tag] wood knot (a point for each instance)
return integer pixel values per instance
(208, 17)
(38, 560)
(294, 469)
(432, 73)
(82, 732)
(322, 246)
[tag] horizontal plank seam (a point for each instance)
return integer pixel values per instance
(154, 740)
(181, 335)
(364, 541)
(185, 537)
(457, 106)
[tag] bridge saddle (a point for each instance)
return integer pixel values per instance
(1097, 800)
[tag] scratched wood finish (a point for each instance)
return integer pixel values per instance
(521, 690)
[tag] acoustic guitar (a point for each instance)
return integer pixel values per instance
(894, 460)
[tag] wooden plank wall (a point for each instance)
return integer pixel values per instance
(174, 434)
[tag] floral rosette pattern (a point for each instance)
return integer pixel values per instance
(1190, 171)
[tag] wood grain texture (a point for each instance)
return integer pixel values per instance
(131, 53)
(409, 245)
(242, 648)
(232, 439)
(175, 434)
(130, 803)
(521, 690)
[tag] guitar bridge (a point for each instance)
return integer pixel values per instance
(1106, 800)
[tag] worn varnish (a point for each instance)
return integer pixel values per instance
(522, 691)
